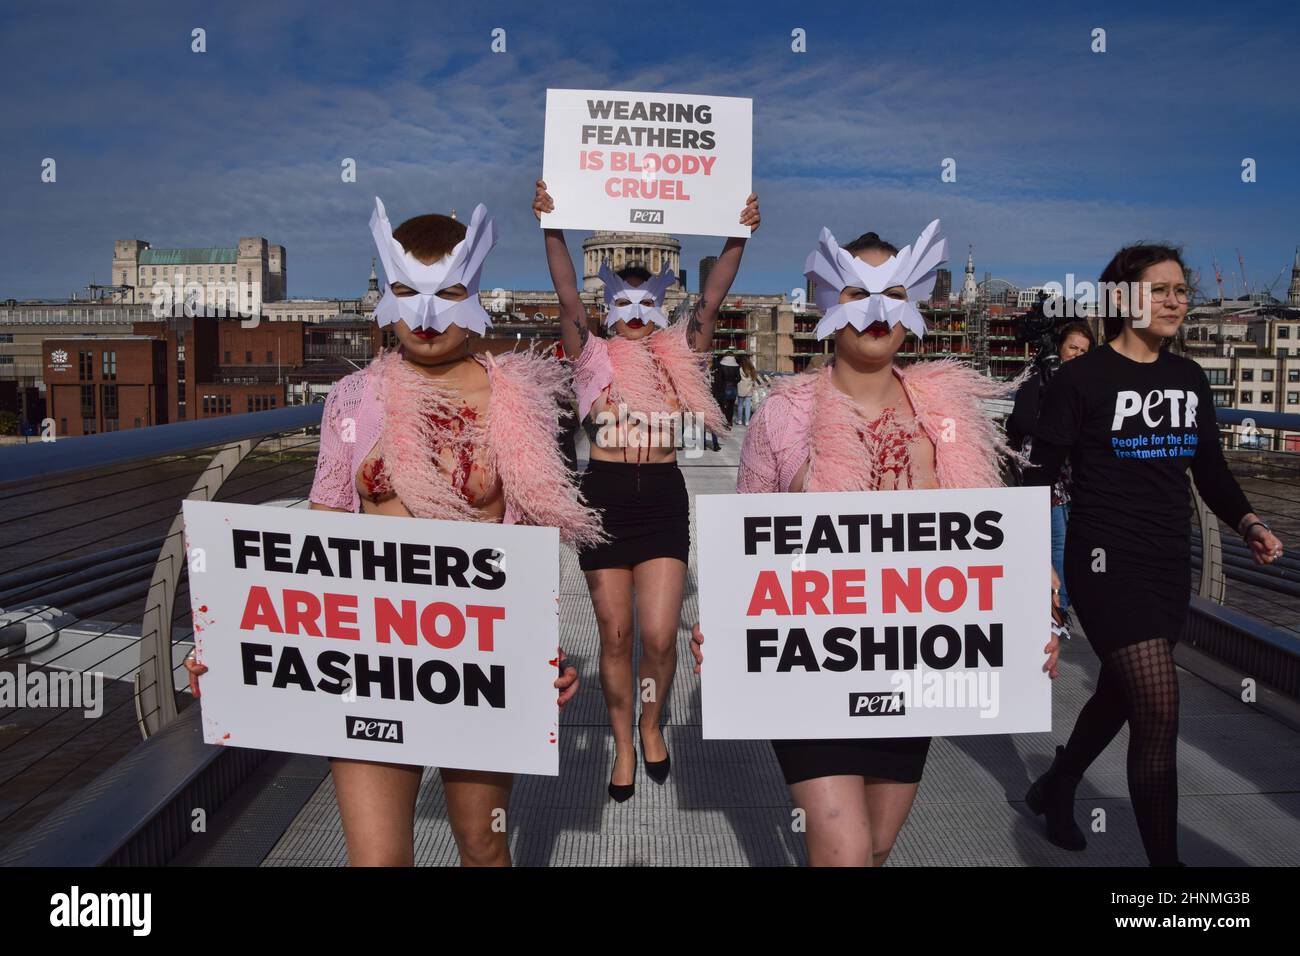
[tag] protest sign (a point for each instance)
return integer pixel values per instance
(875, 614)
(647, 162)
(404, 640)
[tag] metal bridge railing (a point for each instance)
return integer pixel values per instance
(94, 608)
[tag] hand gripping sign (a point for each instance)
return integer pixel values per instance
(874, 614)
(405, 640)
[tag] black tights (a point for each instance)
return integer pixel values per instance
(1138, 684)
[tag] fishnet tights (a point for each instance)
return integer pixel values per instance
(1138, 684)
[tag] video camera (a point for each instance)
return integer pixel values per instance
(1041, 330)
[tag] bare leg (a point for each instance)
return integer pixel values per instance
(838, 826)
(377, 805)
(659, 586)
(611, 597)
(476, 808)
(888, 804)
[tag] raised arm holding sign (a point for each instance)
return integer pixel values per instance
(642, 162)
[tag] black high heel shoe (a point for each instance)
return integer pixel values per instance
(622, 792)
(1052, 795)
(658, 770)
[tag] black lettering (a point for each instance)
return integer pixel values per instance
(487, 561)
(451, 565)
(371, 562)
(920, 532)
(951, 649)
(954, 527)
(753, 525)
(757, 641)
(823, 536)
(980, 645)
(854, 523)
(478, 684)
(312, 557)
(333, 667)
(278, 554)
(986, 523)
(292, 669)
(251, 655)
(787, 534)
(797, 652)
(244, 546)
(415, 564)
(838, 642)
(450, 682)
(382, 675)
(343, 548)
(886, 648)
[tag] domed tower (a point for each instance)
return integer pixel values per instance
(652, 250)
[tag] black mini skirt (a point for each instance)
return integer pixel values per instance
(1128, 598)
(901, 759)
(645, 511)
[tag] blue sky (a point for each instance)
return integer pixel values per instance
(1062, 154)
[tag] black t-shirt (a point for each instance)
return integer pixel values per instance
(1131, 431)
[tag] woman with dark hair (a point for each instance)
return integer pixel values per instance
(638, 388)
(1073, 340)
(1133, 418)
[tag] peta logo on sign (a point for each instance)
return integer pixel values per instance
(1180, 408)
(654, 216)
(368, 728)
(886, 703)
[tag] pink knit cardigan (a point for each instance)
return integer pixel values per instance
(521, 427)
(806, 418)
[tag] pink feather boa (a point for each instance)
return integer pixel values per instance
(661, 370)
(520, 430)
(946, 395)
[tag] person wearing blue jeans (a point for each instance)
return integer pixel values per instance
(1060, 515)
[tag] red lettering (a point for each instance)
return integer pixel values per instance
(846, 584)
(767, 595)
(389, 621)
(893, 590)
(984, 575)
(301, 609)
(803, 596)
(934, 596)
(484, 615)
(429, 625)
(259, 611)
(341, 609)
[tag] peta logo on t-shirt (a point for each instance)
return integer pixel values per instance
(1173, 407)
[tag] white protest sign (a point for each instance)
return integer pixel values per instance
(404, 640)
(647, 162)
(875, 614)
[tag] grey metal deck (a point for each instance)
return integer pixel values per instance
(725, 802)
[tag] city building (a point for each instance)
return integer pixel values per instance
(230, 279)
(102, 384)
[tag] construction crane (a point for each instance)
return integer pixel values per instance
(1218, 275)
(1244, 281)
